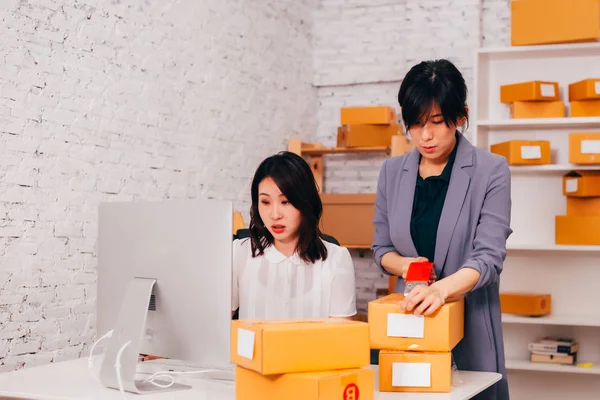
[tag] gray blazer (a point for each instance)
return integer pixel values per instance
(473, 229)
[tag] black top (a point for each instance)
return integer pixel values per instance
(428, 203)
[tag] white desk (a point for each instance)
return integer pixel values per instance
(71, 380)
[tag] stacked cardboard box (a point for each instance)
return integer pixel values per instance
(536, 22)
(554, 350)
(581, 225)
(533, 99)
(415, 350)
(584, 97)
(302, 360)
(367, 126)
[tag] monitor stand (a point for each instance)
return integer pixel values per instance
(130, 328)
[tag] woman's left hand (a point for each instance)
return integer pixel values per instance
(423, 300)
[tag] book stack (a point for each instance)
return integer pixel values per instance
(554, 350)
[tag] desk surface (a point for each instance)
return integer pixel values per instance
(71, 380)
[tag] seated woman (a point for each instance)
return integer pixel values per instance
(285, 270)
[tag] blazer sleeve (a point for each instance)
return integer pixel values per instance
(382, 242)
(493, 228)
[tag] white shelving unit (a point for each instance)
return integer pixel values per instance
(535, 263)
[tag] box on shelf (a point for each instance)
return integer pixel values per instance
(583, 205)
(526, 304)
(581, 184)
(585, 108)
(537, 109)
(393, 329)
(349, 218)
(524, 152)
(577, 229)
(554, 21)
(529, 91)
(408, 371)
(366, 135)
(377, 115)
(357, 384)
(587, 89)
(309, 345)
(584, 148)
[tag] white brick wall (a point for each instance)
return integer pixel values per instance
(362, 51)
(128, 100)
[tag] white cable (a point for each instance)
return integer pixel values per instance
(91, 356)
(118, 368)
(169, 375)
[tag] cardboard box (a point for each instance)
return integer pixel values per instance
(554, 21)
(366, 135)
(393, 329)
(527, 304)
(349, 218)
(537, 109)
(567, 359)
(581, 184)
(415, 371)
(583, 205)
(577, 229)
(530, 91)
(587, 89)
(584, 148)
(354, 384)
(378, 115)
(585, 108)
(308, 345)
(524, 152)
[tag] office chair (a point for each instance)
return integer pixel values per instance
(245, 232)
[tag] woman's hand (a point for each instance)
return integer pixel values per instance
(423, 300)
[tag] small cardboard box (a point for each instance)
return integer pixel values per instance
(581, 184)
(529, 91)
(583, 205)
(524, 152)
(585, 108)
(578, 229)
(366, 135)
(537, 109)
(554, 21)
(377, 115)
(279, 347)
(584, 148)
(352, 384)
(393, 329)
(408, 371)
(349, 218)
(587, 89)
(528, 304)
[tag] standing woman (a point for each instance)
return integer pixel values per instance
(447, 202)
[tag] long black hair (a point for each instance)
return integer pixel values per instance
(295, 179)
(433, 82)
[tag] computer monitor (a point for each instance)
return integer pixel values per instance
(164, 285)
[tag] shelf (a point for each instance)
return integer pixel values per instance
(529, 366)
(539, 52)
(542, 123)
(551, 247)
(345, 150)
(567, 320)
(553, 168)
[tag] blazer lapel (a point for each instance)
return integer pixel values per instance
(455, 197)
(406, 195)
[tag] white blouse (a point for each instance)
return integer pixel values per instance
(274, 286)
